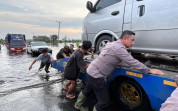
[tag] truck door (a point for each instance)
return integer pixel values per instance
(156, 25)
(108, 16)
(128, 15)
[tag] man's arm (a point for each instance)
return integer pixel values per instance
(51, 57)
(65, 56)
(32, 64)
(85, 67)
(123, 55)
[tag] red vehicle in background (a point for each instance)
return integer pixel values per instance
(16, 42)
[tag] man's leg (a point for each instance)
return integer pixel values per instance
(82, 97)
(71, 88)
(47, 67)
(65, 87)
(101, 91)
(41, 66)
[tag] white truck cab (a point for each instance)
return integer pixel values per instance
(155, 23)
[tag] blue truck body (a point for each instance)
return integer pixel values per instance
(157, 88)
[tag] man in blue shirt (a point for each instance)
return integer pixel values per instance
(45, 58)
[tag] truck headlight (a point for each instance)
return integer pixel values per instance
(12, 48)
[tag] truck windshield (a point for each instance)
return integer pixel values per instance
(39, 44)
(17, 43)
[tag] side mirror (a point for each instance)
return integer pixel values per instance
(90, 7)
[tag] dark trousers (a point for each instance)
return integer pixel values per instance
(99, 87)
(46, 66)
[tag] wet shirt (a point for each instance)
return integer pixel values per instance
(171, 104)
(110, 56)
(74, 65)
(59, 54)
(44, 59)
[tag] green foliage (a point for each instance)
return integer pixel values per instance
(42, 38)
(77, 43)
(54, 39)
(29, 40)
(1, 41)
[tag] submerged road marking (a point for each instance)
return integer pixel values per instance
(134, 74)
(170, 83)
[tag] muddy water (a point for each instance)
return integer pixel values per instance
(24, 90)
(14, 71)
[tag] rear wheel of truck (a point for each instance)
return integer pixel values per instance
(130, 96)
(102, 42)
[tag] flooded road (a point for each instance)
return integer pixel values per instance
(24, 90)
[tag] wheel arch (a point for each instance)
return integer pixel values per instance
(104, 32)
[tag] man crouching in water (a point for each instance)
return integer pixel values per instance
(45, 58)
(74, 65)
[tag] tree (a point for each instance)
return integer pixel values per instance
(42, 38)
(1, 41)
(54, 39)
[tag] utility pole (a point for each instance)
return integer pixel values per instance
(65, 40)
(58, 32)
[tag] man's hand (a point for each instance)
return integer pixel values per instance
(30, 67)
(86, 66)
(156, 71)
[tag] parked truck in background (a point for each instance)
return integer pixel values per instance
(155, 23)
(16, 42)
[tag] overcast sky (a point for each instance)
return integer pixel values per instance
(38, 17)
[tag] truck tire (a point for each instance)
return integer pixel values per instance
(130, 96)
(102, 42)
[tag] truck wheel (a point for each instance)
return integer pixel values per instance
(130, 95)
(102, 42)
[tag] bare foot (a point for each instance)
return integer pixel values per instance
(70, 96)
(65, 88)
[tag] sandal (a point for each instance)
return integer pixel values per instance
(70, 96)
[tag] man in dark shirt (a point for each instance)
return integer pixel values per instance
(64, 53)
(74, 65)
(72, 48)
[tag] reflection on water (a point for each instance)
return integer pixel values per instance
(14, 71)
(24, 90)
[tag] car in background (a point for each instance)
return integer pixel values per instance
(35, 48)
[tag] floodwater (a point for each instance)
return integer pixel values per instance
(24, 90)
